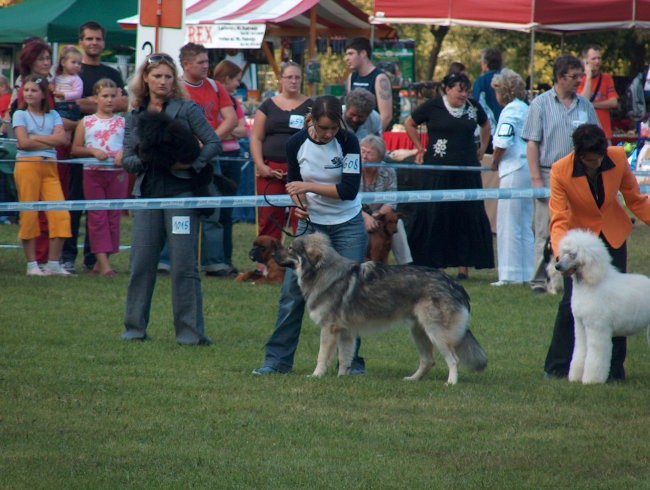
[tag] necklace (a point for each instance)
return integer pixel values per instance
(39, 126)
(457, 112)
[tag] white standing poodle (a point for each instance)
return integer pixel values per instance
(605, 304)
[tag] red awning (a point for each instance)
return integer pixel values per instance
(523, 15)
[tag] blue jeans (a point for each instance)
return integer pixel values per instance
(350, 240)
(69, 110)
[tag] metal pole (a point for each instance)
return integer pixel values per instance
(532, 61)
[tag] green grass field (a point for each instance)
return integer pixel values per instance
(81, 409)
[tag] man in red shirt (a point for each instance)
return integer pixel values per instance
(208, 93)
(598, 87)
(220, 113)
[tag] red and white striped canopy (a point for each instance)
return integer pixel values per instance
(331, 15)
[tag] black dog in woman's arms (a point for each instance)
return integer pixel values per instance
(165, 141)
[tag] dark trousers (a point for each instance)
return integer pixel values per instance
(232, 170)
(558, 358)
(72, 183)
(151, 228)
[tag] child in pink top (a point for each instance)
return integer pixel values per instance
(101, 136)
(67, 84)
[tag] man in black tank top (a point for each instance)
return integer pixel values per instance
(367, 76)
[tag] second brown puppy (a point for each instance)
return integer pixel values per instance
(262, 252)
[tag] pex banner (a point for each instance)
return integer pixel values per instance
(226, 36)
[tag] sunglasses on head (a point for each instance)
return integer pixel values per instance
(157, 58)
(453, 78)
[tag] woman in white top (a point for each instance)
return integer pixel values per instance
(324, 174)
(515, 241)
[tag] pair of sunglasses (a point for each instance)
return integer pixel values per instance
(158, 57)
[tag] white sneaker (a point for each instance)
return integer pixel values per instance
(56, 272)
(36, 271)
(506, 283)
(69, 266)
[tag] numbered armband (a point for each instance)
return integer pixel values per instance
(350, 151)
(505, 130)
(352, 163)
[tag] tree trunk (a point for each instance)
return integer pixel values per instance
(439, 33)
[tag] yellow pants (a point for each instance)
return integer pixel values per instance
(39, 181)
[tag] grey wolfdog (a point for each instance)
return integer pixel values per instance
(347, 299)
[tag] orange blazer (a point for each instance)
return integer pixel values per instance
(572, 204)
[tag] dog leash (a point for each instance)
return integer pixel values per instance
(309, 224)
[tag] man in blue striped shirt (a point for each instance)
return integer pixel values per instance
(551, 120)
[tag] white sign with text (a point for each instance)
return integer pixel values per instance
(226, 36)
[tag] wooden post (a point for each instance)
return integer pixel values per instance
(271, 59)
(312, 44)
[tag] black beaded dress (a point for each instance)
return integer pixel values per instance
(449, 234)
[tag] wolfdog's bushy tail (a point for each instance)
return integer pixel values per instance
(470, 353)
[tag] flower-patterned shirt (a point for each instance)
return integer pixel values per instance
(104, 134)
(451, 138)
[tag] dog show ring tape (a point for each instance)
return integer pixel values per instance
(281, 200)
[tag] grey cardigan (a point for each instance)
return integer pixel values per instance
(190, 114)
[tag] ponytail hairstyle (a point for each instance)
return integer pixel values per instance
(103, 83)
(326, 106)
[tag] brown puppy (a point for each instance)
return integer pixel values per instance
(381, 240)
(262, 252)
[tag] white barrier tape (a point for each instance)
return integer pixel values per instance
(280, 200)
(232, 160)
(80, 246)
(415, 166)
(109, 162)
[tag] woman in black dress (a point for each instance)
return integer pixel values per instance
(450, 234)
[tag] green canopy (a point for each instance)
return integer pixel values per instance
(59, 20)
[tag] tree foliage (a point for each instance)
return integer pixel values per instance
(625, 52)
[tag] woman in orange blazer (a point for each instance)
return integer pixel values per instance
(584, 190)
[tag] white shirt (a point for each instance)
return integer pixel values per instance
(334, 163)
(507, 136)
